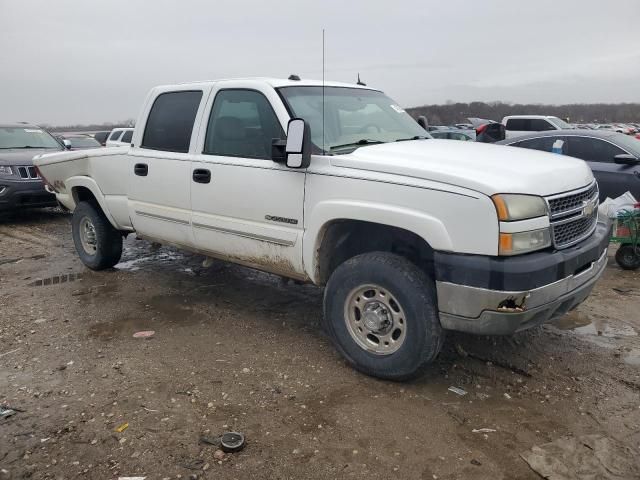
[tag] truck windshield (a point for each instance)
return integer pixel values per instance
(26, 137)
(353, 117)
(561, 124)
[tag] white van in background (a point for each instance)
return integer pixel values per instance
(120, 137)
(516, 125)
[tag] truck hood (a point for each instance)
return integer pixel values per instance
(482, 167)
(22, 156)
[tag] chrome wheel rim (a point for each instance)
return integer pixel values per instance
(88, 236)
(375, 319)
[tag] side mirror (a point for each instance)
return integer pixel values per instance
(422, 121)
(626, 159)
(67, 144)
(298, 147)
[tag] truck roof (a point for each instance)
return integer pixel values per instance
(275, 83)
(530, 116)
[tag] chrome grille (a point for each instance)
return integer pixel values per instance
(573, 215)
(574, 230)
(565, 204)
(28, 173)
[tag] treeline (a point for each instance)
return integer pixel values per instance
(92, 127)
(575, 113)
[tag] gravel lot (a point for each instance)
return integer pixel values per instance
(236, 349)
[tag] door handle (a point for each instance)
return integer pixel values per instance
(201, 175)
(141, 169)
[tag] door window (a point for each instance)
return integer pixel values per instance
(517, 125)
(126, 138)
(115, 135)
(544, 144)
(540, 125)
(171, 120)
(593, 149)
(242, 124)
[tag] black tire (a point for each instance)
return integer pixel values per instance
(108, 240)
(415, 292)
(628, 256)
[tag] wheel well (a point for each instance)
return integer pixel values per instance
(344, 239)
(83, 194)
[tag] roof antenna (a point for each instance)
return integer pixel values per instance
(360, 82)
(323, 150)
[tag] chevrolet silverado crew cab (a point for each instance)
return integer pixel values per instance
(337, 185)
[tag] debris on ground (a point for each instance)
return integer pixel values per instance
(210, 440)
(6, 412)
(192, 463)
(122, 427)
(583, 457)
(483, 430)
(144, 334)
(218, 455)
(232, 442)
(457, 391)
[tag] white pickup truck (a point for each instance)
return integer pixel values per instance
(338, 186)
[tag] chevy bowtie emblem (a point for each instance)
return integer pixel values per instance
(589, 207)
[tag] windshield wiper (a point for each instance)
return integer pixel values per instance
(363, 141)
(417, 137)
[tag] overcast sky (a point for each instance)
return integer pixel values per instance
(64, 61)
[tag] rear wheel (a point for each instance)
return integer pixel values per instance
(98, 244)
(380, 311)
(628, 256)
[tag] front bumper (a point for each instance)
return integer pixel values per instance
(24, 194)
(536, 288)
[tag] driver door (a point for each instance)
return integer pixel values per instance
(246, 207)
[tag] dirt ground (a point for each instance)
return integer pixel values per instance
(240, 350)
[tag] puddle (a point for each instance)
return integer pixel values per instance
(632, 357)
(583, 324)
(133, 264)
(56, 279)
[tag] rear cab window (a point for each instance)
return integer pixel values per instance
(115, 135)
(518, 124)
(170, 122)
(126, 138)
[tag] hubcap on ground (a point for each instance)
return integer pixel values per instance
(375, 319)
(88, 236)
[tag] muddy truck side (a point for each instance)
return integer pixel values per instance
(337, 185)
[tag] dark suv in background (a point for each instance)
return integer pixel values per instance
(20, 184)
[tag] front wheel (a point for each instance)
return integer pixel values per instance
(628, 256)
(98, 244)
(381, 313)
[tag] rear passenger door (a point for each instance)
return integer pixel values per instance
(159, 177)
(613, 179)
(246, 207)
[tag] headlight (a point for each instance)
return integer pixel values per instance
(5, 170)
(523, 242)
(512, 207)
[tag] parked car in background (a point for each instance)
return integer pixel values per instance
(613, 157)
(79, 142)
(20, 182)
(102, 136)
(453, 134)
(516, 125)
(120, 137)
(464, 126)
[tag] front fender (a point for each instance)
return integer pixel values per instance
(431, 229)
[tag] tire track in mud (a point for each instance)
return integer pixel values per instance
(27, 235)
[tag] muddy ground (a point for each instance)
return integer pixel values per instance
(240, 350)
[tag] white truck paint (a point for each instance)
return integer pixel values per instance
(427, 201)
